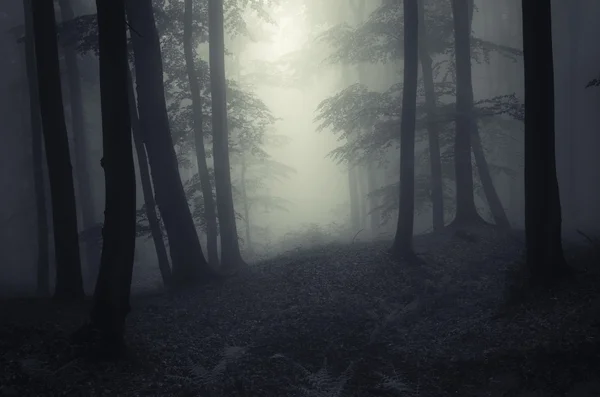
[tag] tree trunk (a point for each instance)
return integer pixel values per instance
(113, 288)
(486, 180)
(207, 192)
(230, 249)
(544, 254)
(83, 182)
(375, 214)
(43, 258)
(433, 132)
(187, 259)
(466, 212)
(402, 247)
(69, 283)
(354, 201)
(246, 204)
(155, 230)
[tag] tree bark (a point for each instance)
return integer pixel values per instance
(466, 212)
(433, 132)
(231, 257)
(155, 230)
(83, 182)
(246, 205)
(187, 259)
(113, 287)
(69, 283)
(207, 193)
(373, 203)
(546, 262)
(402, 246)
(43, 256)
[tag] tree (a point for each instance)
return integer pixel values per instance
(43, 262)
(544, 254)
(209, 205)
(402, 246)
(83, 181)
(113, 287)
(150, 204)
(187, 259)
(69, 283)
(231, 257)
(433, 132)
(465, 203)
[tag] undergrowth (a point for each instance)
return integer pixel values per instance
(334, 320)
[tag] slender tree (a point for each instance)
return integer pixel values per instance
(210, 214)
(466, 213)
(111, 296)
(155, 229)
(69, 284)
(83, 181)
(37, 139)
(231, 257)
(187, 260)
(402, 246)
(544, 254)
(433, 131)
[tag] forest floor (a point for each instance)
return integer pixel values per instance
(340, 320)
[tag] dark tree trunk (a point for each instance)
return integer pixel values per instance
(155, 230)
(230, 249)
(83, 181)
(210, 214)
(433, 132)
(246, 204)
(69, 283)
(402, 247)
(545, 259)
(111, 296)
(187, 259)
(43, 258)
(466, 212)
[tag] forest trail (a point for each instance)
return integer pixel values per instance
(340, 320)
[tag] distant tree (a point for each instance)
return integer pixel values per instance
(43, 262)
(150, 205)
(231, 257)
(402, 246)
(544, 254)
(187, 259)
(69, 283)
(80, 138)
(113, 287)
(209, 205)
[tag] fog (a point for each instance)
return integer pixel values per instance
(286, 63)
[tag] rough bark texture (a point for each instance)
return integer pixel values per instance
(37, 139)
(210, 214)
(230, 249)
(84, 188)
(155, 230)
(69, 283)
(246, 206)
(402, 246)
(466, 212)
(187, 259)
(113, 288)
(433, 132)
(544, 254)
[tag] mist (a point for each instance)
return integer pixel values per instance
(417, 174)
